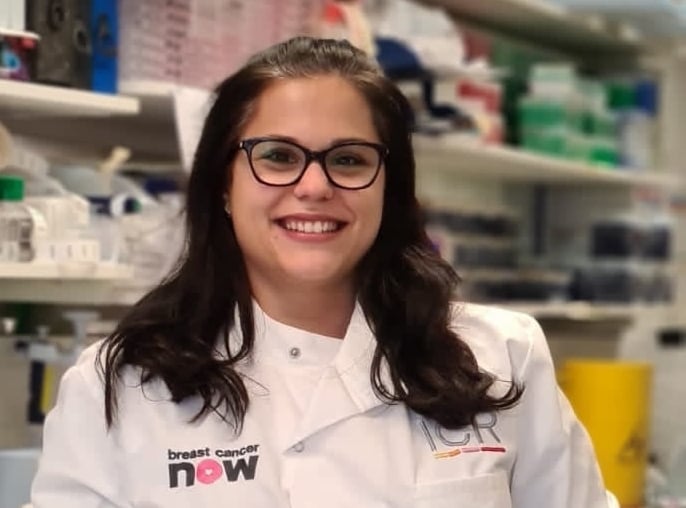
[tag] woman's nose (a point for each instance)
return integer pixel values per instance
(314, 184)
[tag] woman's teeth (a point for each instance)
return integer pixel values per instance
(311, 226)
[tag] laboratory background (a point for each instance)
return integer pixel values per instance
(551, 166)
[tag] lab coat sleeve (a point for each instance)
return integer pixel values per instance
(555, 465)
(78, 463)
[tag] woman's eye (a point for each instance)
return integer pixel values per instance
(347, 160)
(278, 156)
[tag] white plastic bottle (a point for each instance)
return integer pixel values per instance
(677, 474)
(16, 222)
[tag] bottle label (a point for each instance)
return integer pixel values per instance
(15, 239)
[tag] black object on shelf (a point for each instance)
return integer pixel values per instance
(657, 243)
(671, 337)
(63, 55)
(471, 222)
(466, 255)
(600, 284)
(616, 239)
(515, 285)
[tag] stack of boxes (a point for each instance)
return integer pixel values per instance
(629, 261)
(483, 246)
(565, 117)
(133, 46)
(197, 43)
(605, 123)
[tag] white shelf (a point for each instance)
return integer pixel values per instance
(470, 157)
(18, 98)
(143, 123)
(19, 33)
(72, 283)
(655, 18)
(546, 24)
(62, 271)
(585, 311)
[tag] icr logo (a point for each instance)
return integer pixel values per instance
(479, 437)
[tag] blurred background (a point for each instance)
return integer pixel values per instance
(551, 167)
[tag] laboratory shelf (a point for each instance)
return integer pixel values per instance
(19, 33)
(546, 24)
(141, 120)
(462, 155)
(114, 285)
(18, 98)
(585, 311)
(69, 283)
(60, 271)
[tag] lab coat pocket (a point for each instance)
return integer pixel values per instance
(485, 491)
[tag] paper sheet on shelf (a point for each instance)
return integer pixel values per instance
(191, 106)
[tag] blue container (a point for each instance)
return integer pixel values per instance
(104, 29)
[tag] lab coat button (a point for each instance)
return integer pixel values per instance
(294, 352)
(298, 447)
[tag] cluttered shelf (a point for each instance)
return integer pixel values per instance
(175, 113)
(546, 24)
(478, 159)
(112, 284)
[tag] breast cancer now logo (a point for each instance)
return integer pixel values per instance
(206, 466)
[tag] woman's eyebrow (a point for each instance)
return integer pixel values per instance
(333, 142)
(338, 141)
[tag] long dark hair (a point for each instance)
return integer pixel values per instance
(405, 288)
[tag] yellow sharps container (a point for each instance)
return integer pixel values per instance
(612, 399)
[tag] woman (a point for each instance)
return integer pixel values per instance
(229, 383)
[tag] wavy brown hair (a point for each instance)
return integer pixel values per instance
(405, 288)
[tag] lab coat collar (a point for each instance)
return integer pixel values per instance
(354, 362)
(345, 388)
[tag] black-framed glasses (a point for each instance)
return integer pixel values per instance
(351, 165)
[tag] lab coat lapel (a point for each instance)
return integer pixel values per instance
(345, 389)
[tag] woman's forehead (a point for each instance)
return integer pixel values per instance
(311, 110)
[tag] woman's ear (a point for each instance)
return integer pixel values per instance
(227, 205)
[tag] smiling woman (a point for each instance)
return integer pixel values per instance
(296, 226)
(311, 323)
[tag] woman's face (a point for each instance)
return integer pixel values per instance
(310, 232)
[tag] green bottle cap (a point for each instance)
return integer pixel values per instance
(621, 96)
(11, 188)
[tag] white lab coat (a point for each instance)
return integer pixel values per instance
(316, 435)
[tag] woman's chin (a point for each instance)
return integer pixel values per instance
(316, 273)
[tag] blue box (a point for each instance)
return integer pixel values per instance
(104, 30)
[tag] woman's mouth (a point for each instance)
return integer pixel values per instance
(311, 226)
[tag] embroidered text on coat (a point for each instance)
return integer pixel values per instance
(233, 464)
(479, 437)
